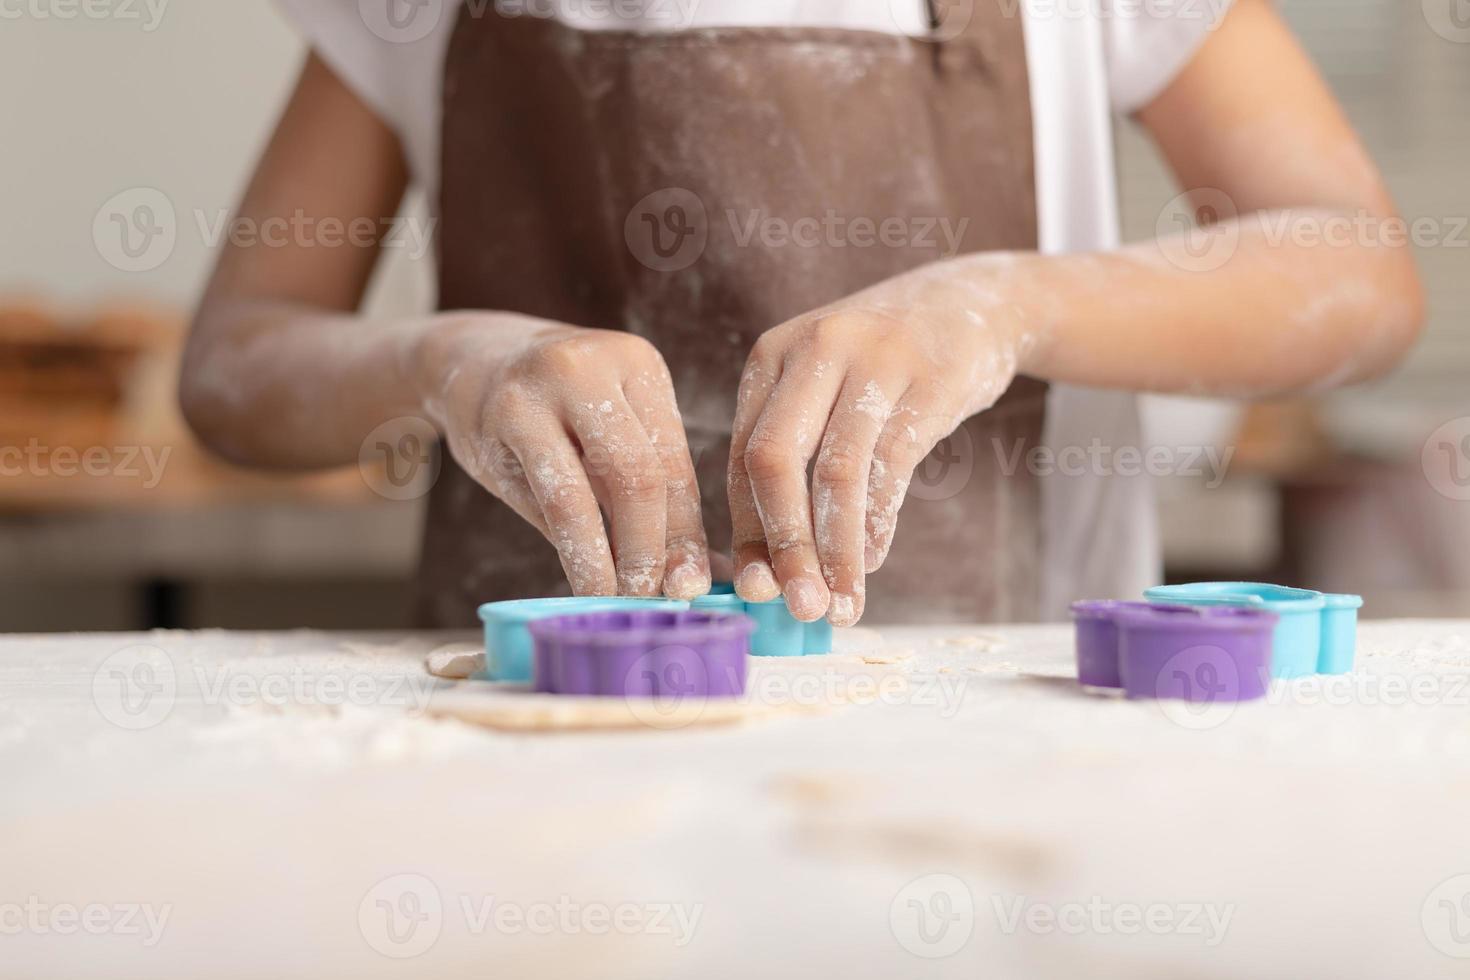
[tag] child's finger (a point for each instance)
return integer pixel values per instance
(495, 466)
(573, 520)
(781, 445)
(916, 425)
(687, 573)
(755, 581)
(618, 454)
(840, 488)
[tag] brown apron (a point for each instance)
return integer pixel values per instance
(656, 182)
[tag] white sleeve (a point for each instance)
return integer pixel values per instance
(1148, 42)
(395, 66)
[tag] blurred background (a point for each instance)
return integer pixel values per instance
(111, 518)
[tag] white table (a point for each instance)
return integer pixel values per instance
(1041, 831)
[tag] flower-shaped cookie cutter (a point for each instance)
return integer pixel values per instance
(642, 653)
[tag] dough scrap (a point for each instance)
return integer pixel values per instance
(457, 661)
(979, 641)
(895, 657)
(547, 713)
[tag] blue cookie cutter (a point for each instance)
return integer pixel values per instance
(777, 632)
(1315, 633)
(1339, 633)
(509, 649)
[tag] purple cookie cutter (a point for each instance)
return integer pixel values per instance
(1097, 641)
(1204, 654)
(642, 653)
(1192, 653)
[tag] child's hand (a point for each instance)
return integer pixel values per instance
(869, 385)
(554, 420)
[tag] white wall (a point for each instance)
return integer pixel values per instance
(179, 100)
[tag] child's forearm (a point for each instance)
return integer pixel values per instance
(279, 385)
(1253, 307)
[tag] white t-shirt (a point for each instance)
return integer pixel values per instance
(1086, 59)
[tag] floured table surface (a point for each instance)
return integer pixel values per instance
(925, 802)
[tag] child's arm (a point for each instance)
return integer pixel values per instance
(279, 371)
(1251, 308)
